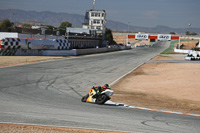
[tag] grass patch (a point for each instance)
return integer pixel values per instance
(170, 50)
(151, 43)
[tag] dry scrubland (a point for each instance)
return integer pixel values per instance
(188, 44)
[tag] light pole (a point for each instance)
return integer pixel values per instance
(189, 33)
(128, 34)
(189, 28)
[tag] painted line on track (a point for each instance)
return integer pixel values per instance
(164, 111)
(149, 109)
(125, 74)
(131, 70)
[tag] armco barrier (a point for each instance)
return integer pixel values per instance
(113, 49)
(59, 52)
(90, 51)
(99, 50)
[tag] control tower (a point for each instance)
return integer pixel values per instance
(95, 19)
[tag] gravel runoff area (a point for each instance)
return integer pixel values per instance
(166, 86)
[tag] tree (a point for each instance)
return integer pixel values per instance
(64, 25)
(49, 27)
(193, 33)
(172, 33)
(109, 36)
(6, 24)
(187, 33)
(26, 25)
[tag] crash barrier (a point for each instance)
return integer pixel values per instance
(90, 51)
(73, 52)
(35, 44)
(9, 46)
(193, 55)
(76, 52)
(181, 50)
(54, 47)
(10, 43)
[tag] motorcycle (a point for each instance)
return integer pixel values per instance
(98, 98)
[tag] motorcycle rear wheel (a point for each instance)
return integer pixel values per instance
(101, 99)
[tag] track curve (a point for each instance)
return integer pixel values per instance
(49, 93)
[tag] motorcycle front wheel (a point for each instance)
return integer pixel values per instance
(85, 98)
(101, 99)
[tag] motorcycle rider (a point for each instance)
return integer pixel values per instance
(99, 89)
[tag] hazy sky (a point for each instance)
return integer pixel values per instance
(149, 13)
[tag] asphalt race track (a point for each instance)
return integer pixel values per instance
(49, 93)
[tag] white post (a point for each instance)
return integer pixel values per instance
(199, 43)
(179, 42)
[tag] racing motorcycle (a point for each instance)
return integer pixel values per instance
(98, 98)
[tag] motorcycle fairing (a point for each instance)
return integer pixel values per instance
(108, 92)
(91, 93)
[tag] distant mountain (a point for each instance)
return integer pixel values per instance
(48, 18)
(118, 26)
(51, 18)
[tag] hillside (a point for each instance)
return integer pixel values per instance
(51, 18)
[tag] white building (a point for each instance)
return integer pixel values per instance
(93, 26)
(95, 19)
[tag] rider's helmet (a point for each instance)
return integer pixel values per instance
(106, 86)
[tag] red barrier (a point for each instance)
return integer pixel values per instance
(131, 36)
(175, 38)
(153, 37)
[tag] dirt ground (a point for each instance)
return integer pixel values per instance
(166, 86)
(188, 44)
(19, 60)
(14, 128)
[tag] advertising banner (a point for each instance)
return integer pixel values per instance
(141, 36)
(162, 37)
